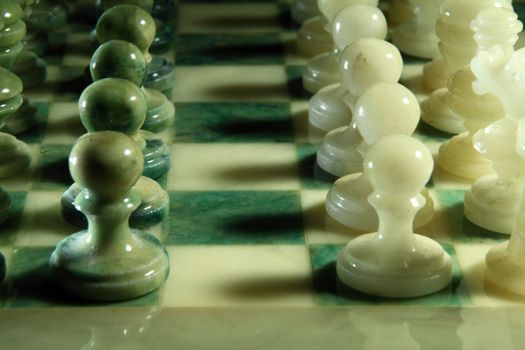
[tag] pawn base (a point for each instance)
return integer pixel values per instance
(109, 276)
(161, 112)
(347, 203)
(492, 205)
(436, 112)
(458, 156)
(338, 154)
(157, 158)
(23, 119)
(15, 156)
(327, 110)
(153, 208)
(410, 41)
(161, 75)
(30, 68)
(321, 71)
(164, 37)
(435, 74)
(504, 271)
(428, 270)
(313, 39)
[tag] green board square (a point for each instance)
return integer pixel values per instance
(294, 76)
(460, 228)
(31, 285)
(312, 176)
(329, 290)
(235, 217)
(9, 228)
(227, 49)
(53, 170)
(233, 122)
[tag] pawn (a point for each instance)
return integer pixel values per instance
(14, 154)
(417, 37)
(382, 110)
(132, 23)
(122, 59)
(108, 261)
(302, 10)
(394, 261)
(398, 12)
(350, 24)
(118, 105)
(5, 205)
(362, 64)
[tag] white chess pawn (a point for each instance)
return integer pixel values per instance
(492, 200)
(384, 109)
(458, 155)
(314, 37)
(394, 261)
(456, 46)
(361, 65)
(399, 11)
(302, 10)
(417, 36)
(350, 24)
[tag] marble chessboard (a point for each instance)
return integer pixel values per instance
(252, 256)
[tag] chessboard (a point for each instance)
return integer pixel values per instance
(252, 256)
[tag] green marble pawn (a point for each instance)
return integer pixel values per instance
(122, 59)
(119, 105)
(108, 261)
(132, 23)
(21, 62)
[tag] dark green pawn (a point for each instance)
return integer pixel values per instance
(119, 105)
(122, 59)
(132, 23)
(108, 261)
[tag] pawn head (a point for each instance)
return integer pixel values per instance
(145, 4)
(118, 59)
(386, 109)
(398, 165)
(10, 12)
(112, 104)
(129, 23)
(329, 8)
(367, 62)
(356, 22)
(107, 163)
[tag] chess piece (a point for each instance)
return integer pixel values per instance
(362, 64)
(119, 105)
(457, 47)
(416, 36)
(458, 156)
(108, 261)
(14, 154)
(164, 33)
(122, 59)
(14, 58)
(350, 24)
(399, 11)
(384, 109)
(302, 10)
(394, 261)
(132, 23)
(492, 200)
(5, 204)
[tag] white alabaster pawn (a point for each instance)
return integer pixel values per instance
(350, 24)
(399, 11)
(384, 109)
(361, 65)
(458, 155)
(302, 10)
(417, 36)
(492, 200)
(394, 261)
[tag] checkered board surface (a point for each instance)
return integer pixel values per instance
(251, 254)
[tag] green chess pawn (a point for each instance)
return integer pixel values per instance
(119, 105)
(164, 33)
(108, 261)
(14, 154)
(23, 63)
(122, 59)
(132, 23)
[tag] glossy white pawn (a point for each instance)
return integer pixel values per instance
(350, 24)
(314, 37)
(394, 261)
(361, 65)
(384, 109)
(417, 36)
